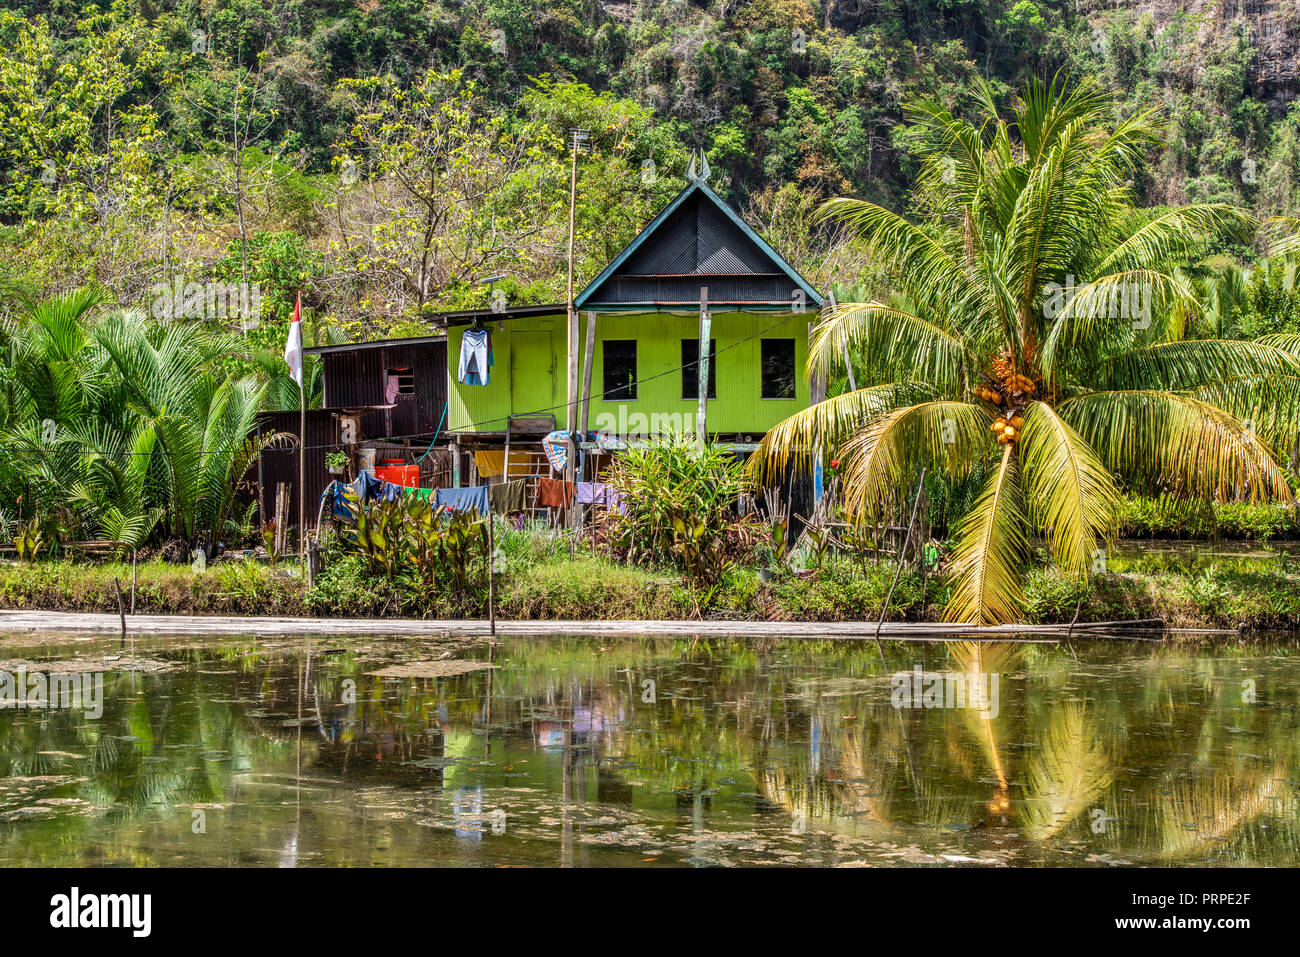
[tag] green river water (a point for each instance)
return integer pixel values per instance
(246, 751)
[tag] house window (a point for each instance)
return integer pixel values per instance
(777, 371)
(691, 368)
(620, 368)
(398, 382)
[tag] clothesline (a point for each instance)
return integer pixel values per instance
(502, 498)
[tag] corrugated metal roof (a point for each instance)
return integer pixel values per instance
(697, 240)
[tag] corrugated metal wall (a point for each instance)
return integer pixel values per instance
(280, 463)
(356, 378)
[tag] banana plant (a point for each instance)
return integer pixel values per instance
(27, 542)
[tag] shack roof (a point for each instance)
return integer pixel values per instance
(698, 241)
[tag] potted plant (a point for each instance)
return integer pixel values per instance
(336, 462)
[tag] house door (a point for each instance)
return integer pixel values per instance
(532, 373)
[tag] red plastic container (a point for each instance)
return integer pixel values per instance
(398, 474)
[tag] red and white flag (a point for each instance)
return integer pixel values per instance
(293, 347)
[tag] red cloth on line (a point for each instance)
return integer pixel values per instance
(555, 493)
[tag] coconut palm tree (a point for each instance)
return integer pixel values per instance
(1035, 333)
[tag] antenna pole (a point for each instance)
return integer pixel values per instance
(572, 393)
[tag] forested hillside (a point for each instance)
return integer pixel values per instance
(385, 154)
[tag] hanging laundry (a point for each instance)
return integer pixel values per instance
(599, 493)
(490, 464)
(476, 359)
(556, 447)
(335, 498)
(463, 499)
(554, 493)
(507, 497)
(367, 487)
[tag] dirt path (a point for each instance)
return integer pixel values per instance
(36, 623)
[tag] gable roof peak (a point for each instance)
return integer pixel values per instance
(698, 240)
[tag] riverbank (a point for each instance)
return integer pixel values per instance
(591, 589)
(23, 624)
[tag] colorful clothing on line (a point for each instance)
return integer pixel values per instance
(335, 497)
(463, 499)
(556, 446)
(490, 464)
(368, 487)
(554, 493)
(507, 497)
(598, 493)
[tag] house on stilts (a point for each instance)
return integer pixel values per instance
(474, 403)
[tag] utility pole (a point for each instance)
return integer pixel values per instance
(579, 139)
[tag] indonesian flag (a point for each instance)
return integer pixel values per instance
(293, 347)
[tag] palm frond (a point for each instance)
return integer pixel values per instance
(990, 552)
(1107, 313)
(824, 427)
(1281, 235)
(1268, 406)
(1165, 442)
(1179, 366)
(1175, 235)
(880, 460)
(933, 276)
(904, 344)
(1072, 496)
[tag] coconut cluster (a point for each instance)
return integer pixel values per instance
(1009, 391)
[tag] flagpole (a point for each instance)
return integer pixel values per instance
(302, 476)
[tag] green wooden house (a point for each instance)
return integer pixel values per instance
(642, 319)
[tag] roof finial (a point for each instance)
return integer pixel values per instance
(701, 173)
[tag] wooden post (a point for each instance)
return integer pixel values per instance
(702, 406)
(302, 474)
(117, 587)
(281, 519)
(492, 552)
(588, 359)
(505, 465)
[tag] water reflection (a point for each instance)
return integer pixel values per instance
(656, 751)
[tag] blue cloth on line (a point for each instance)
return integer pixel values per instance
(334, 497)
(369, 487)
(463, 499)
